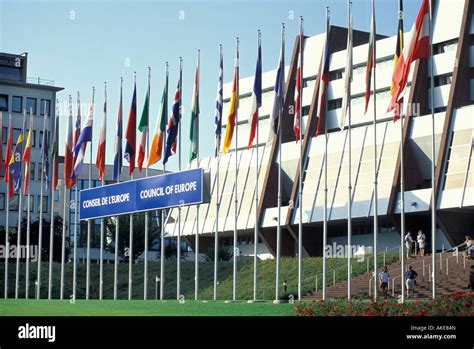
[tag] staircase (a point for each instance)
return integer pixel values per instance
(452, 274)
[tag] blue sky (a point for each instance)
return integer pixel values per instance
(83, 43)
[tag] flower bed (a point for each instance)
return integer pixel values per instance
(454, 304)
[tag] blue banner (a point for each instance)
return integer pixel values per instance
(145, 194)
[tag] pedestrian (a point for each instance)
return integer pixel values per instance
(408, 243)
(421, 239)
(411, 275)
(383, 281)
(469, 246)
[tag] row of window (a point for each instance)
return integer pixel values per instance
(17, 106)
(35, 171)
(16, 132)
(14, 203)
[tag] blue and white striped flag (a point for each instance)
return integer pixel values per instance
(84, 138)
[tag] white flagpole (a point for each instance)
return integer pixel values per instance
(236, 201)
(51, 231)
(279, 130)
(102, 221)
(433, 159)
(196, 246)
(178, 250)
(257, 171)
(145, 264)
(300, 179)
(28, 229)
(349, 160)
(218, 154)
(130, 243)
(74, 262)
(40, 235)
(7, 217)
(325, 222)
(375, 156)
(117, 225)
(162, 222)
(89, 222)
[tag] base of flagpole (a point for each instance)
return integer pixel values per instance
(277, 301)
(255, 301)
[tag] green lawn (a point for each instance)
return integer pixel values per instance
(23, 307)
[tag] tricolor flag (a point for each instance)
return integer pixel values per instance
(77, 132)
(229, 130)
(84, 137)
(347, 75)
(8, 155)
(143, 127)
(68, 152)
(173, 124)
(27, 155)
(298, 88)
(100, 159)
(398, 52)
(54, 151)
(118, 141)
(194, 128)
(256, 94)
(130, 133)
(45, 154)
(370, 60)
(156, 148)
(279, 90)
(323, 80)
(15, 160)
(417, 48)
(219, 102)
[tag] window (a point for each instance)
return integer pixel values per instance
(3, 102)
(336, 74)
(45, 106)
(56, 195)
(446, 46)
(17, 104)
(14, 202)
(32, 170)
(2, 201)
(5, 135)
(335, 104)
(45, 204)
(442, 80)
(31, 104)
(25, 203)
(16, 133)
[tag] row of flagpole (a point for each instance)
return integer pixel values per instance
(171, 139)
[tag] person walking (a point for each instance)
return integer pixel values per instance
(410, 276)
(421, 239)
(408, 244)
(383, 281)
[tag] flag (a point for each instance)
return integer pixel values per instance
(194, 128)
(256, 95)
(76, 134)
(347, 76)
(229, 130)
(398, 52)
(27, 155)
(370, 60)
(8, 155)
(54, 152)
(417, 48)
(100, 159)
(1, 141)
(68, 152)
(118, 142)
(298, 90)
(45, 155)
(130, 133)
(323, 80)
(219, 102)
(279, 91)
(143, 128)
(84, 137)
(173, 124)
(156, 148)
(15, 160)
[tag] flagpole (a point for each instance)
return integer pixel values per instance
(433, 159)
(145, 264)
(130, 247)
(7, 217)
(300, 180)
(53, 181)
(162, 242)
(89, 222)
(178, 249)
(236, 201)
(102, 221)
(40, 235)
(74, 262)
(119, 170)
(28, 229)
(279, 130)
(375, 155)
(196, 242)
(218, 154)
(349, 160)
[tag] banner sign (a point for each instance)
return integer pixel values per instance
(145, 194)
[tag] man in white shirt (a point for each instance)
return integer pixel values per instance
(383, 281)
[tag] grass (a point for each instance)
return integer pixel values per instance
(266, 278)
(24, 307)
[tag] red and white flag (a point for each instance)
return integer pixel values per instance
(298, 91)
(100, 160)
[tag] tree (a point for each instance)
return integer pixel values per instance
(224, 253)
